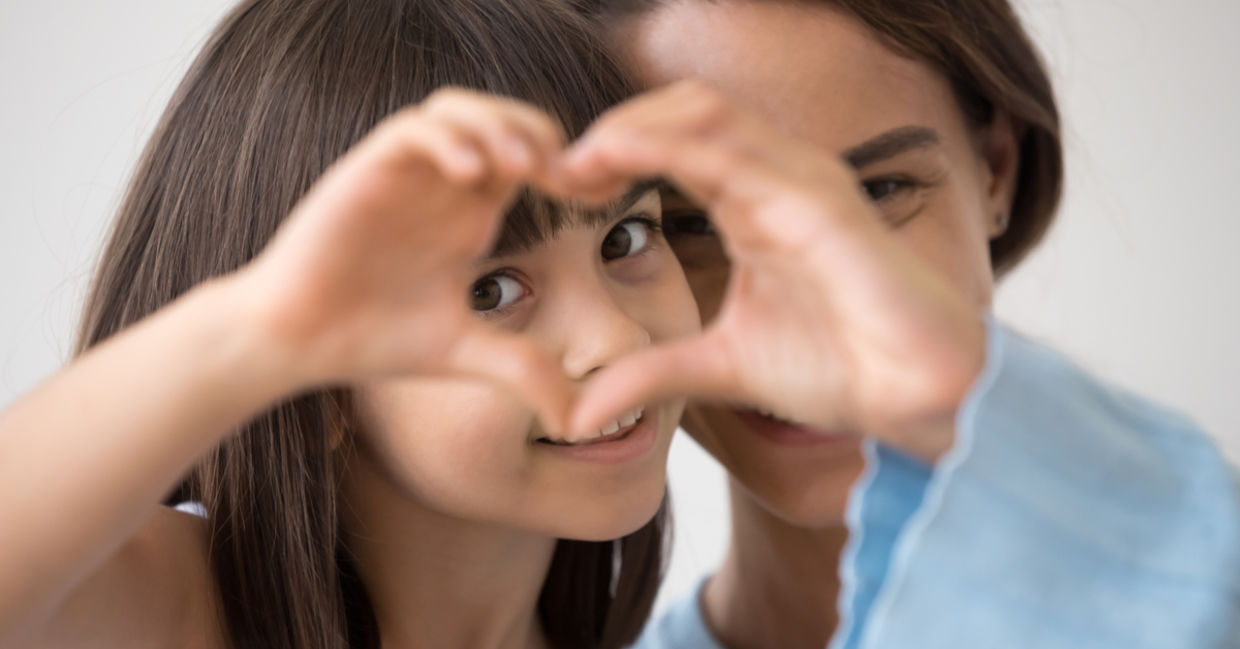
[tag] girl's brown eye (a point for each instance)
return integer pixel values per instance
(626, 239)
(495, 292)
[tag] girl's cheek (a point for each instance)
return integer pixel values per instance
(516, 319)
(648, 267)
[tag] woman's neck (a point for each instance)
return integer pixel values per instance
(439, 581)
(778, 584)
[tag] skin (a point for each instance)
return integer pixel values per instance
(778, 584)
(449, 498)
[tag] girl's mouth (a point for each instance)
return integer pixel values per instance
(613, 431)
(626, 438)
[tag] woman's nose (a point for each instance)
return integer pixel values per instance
(597, 331)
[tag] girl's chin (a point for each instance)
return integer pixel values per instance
(602, 523)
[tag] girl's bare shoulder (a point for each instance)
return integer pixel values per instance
(156, 591)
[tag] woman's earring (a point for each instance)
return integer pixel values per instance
(1002, 220)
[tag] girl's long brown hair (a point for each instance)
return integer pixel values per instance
(282, 89)
(983, 50)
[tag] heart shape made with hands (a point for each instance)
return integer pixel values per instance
(827, 319)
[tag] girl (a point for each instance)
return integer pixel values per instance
(344, 383)
(1042, 509)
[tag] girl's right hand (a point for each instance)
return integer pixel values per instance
(369, 276)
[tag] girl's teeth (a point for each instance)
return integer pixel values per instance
(624, 421)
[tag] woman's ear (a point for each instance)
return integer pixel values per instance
(999, 149)
(339, 420)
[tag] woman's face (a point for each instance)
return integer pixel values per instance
(824, 78)
(596, 290)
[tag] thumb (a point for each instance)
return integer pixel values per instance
(518, 366)
(695, 367)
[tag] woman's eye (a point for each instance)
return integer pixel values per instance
(883, 188)
(627, 238)
(495, 292)
(692, 223)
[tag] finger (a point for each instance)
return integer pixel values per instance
(408, 137)
(753, 202)
(517, 139)
(681, 109)
(543, 131)
(596, 194)
(692, 368)
(703, 170)
(455, 157)
(516, 365)
(685, 106)
(675, 111)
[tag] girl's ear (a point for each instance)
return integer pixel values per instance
(999, 149)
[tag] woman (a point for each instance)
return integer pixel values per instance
(1031, 479)
(324, 294)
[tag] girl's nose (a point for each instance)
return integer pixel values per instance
(597, 331)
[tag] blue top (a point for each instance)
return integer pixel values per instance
(1068, 514)
(682, 626)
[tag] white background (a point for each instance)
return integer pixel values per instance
(1138, 280)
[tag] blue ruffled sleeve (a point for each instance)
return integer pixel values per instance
(1068, 514)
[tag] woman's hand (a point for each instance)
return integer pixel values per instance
(370, 274)
(827, 321)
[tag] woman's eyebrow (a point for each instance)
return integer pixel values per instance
(891, 144)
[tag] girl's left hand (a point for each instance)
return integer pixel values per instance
(828, 320)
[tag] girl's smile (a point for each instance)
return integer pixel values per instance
(616, 444)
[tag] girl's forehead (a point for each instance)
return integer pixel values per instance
(535, 220)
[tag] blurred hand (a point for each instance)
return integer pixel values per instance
(370, 274)
(828, 321)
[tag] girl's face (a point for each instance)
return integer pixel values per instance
(595, 291)
(825, 78)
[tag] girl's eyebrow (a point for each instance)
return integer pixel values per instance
(891, 144)
(609, 212)
(522, 231)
